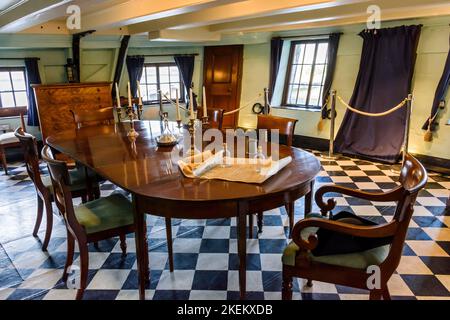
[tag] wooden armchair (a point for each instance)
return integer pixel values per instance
(94, 117)
(43, 184)
(351, 269)
(89, 222)
(8, 140)
(286, 127)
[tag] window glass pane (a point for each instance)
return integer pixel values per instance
(296, 70)
(318, 74)
(309, 53)
(163, 74)
(21, 99)
(322, 50)
(173, 88)
(143, 88)
(299, 52)
(174, 74)
(142, 77)
(165, 88)
(151, 74)
(314, 97)
(7, 100)
(306, 74)
(18, 78)
(152, 93)
(302, 95)
(5, 82)
(292, 94)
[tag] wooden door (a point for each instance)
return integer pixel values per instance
(222, 80)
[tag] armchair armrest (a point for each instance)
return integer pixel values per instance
(392, 195)
(378, 231)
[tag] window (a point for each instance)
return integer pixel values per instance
(13, 89)
(306, 74)
(161, 76)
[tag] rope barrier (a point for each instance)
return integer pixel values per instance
(173, 104)
(243, 107)
(380, 114)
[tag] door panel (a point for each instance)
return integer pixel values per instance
(222, 79)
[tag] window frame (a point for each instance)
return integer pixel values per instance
(307, 106)
(9, 70)
(158, 84)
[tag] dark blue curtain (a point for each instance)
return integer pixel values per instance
(185, 64)
(276, 48)
(384, 80)
(333, 46)
(135, 66)
(441, 91)
(33, 77)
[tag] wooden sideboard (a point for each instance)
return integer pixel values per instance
(56, 101)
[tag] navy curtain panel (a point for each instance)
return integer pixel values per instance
(441, 91)
(384, 80)
(333, 46)
(276, 48)
(135, 66)
(185, 64)
(33, 77)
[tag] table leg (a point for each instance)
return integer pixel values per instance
(242, 249)
(308, 199)
(290, 212)
(141, 247)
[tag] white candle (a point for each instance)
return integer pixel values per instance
(205, 110)
(139, 93)
(178, 105)
(118, 96)
(129, 95)
(191, 105)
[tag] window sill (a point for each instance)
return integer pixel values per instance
(296, 108)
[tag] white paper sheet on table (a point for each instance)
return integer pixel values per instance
(208, 166)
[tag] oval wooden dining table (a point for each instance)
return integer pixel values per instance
(158, 187)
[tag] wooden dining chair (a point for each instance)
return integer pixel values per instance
(89, 222)
(8, 140)
(215, 118)
(286, 127)
(93, 117)
(43, 184)
(380, 245)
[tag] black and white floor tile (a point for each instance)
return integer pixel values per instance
(205, 255)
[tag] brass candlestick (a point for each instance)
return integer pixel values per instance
(131, 115)
(191, 129)
(205, 121)
(140, 109)
(179, 124)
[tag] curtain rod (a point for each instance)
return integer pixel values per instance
(19, 58)
(166, 55)
(310, 35)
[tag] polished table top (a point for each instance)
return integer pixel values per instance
(152, 172)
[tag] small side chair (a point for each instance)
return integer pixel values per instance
(89, 222)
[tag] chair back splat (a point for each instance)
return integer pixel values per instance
(286, 126)
(61, 185)
(93, 117)
(31, 156)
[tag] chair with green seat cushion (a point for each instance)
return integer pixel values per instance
(89, 222)
(43, 184)
(106, 213)
(383, 242)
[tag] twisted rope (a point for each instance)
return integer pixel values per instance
(379, 114)
(243, 107)
(171, 102)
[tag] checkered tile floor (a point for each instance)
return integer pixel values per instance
(205, 256)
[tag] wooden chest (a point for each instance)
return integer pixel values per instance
(55, 102)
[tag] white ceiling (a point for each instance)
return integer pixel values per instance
(203, 20)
